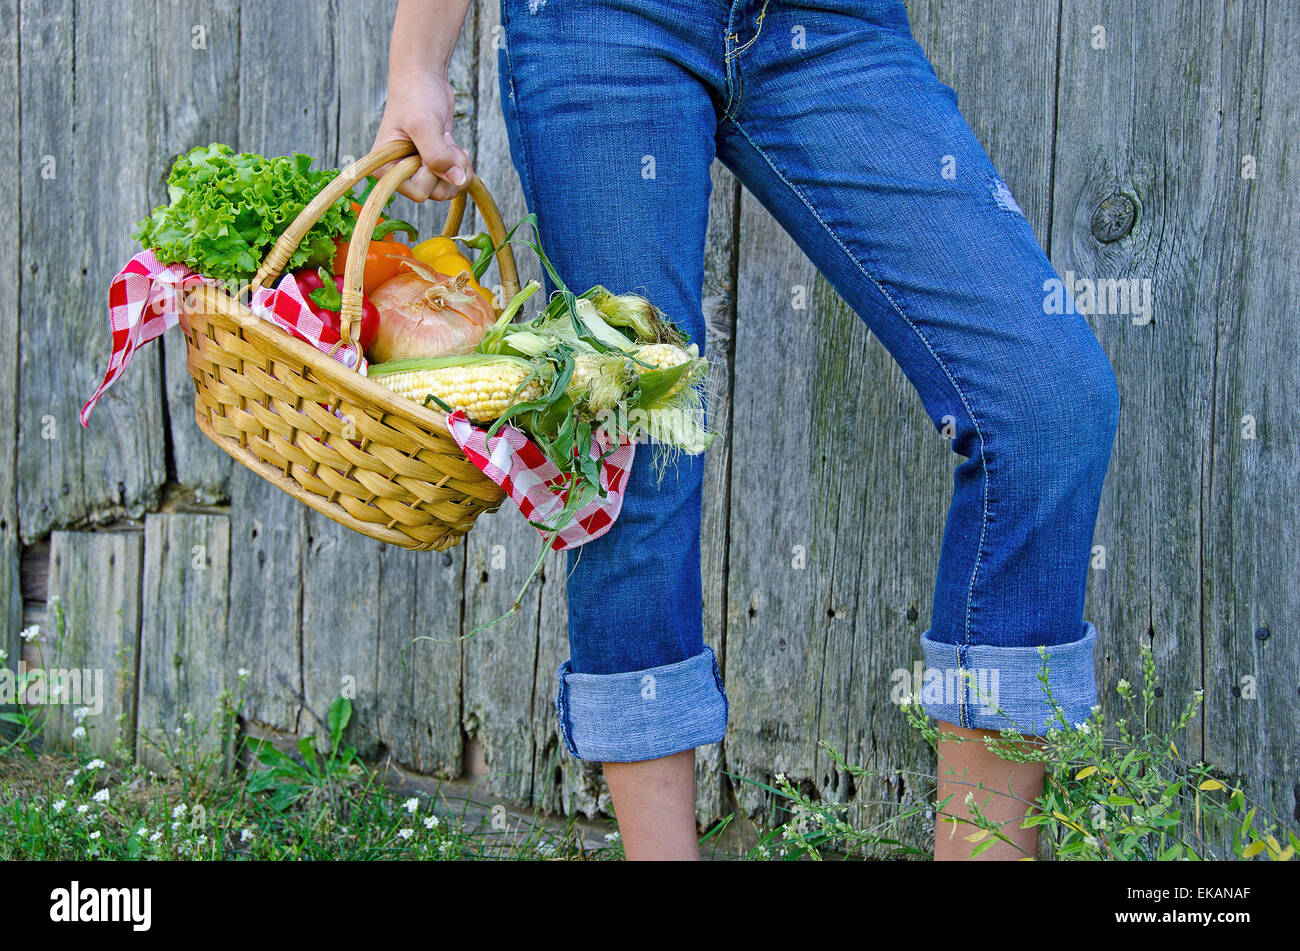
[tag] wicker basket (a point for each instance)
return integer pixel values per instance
(388, 469)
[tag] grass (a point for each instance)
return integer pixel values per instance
(1116, 790)
(273, 806)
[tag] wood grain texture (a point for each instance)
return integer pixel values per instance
(418, 606)
(340, 630)
(1180, 173)
(1251, 722)
(771, 677)
(1197, 520)
(267, 532)
(197, 61)
(418, 680)
(184, 661)
(82, 179)
(719, 304)
(96, 577)
(509, 670)
(11, 599)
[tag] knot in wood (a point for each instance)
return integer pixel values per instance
(1113, 218)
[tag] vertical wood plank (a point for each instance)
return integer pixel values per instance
(197, 62)
(505, 681)
(265, 633)
(419, 600)
(288, 102)
(184, 661)
(340, 629)
(770, 617)
(96, 577)
(11, 599)
(1180, 176)
(418, 681)
(82, 177)
(719, 304)
(1252, 560)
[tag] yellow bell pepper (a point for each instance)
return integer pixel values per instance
(441, 254)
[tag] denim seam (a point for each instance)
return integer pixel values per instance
(758, 22)
(984, 516)
(731, 60)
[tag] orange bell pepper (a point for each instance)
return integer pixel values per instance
(383, 258)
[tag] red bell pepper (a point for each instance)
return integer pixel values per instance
(325, 299)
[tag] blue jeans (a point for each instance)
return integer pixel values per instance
(831, 115)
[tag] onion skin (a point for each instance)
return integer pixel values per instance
(419, 317)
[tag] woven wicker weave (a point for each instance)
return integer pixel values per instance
(389, 467)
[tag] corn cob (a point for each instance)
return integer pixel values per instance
(483, 389)
(664, 356)
(600, 381)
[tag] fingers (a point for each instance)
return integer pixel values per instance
(445, 168)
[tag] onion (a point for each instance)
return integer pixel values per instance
(427, 314)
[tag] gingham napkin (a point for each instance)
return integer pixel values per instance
(536, 485)
(145, 299)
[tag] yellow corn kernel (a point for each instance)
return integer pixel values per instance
(483, 391)
(664, 356)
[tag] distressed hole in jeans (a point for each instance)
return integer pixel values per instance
(1002, 195)
(535, 5)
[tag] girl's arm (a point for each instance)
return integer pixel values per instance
(420, 102)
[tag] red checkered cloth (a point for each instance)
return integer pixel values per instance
(537, 487)
(145, 299)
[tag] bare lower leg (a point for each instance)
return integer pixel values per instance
(654, 801)
(963, 768)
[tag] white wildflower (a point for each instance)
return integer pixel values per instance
(1084, 727)
(411, 805)
(201, 840)
(83, 809)
(178, 811)
(101, 796)
(243, 672)
(78, 732)
(612, 837)
(156, 836)
(81, 713)
(95, 834)
(245, 835)
(58, 805)
(405, 833)
(30, 633)
(96, 764)
(431, 822)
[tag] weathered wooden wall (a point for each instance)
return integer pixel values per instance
(176, 569)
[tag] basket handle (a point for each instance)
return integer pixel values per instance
(284, 246)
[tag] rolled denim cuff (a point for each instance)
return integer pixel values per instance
(642, 714)
(986, 687)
